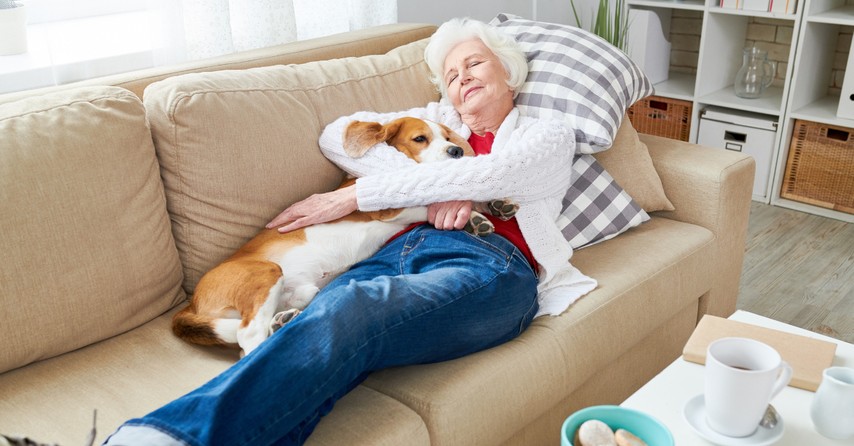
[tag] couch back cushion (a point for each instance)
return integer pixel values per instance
(86, 245)
(237, 147)
(629, 162)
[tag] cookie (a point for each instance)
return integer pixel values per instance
(626, 438)
(595, 433)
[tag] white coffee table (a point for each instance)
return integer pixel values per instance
(665, 396)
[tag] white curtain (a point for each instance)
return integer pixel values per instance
(196, 29)
(72, 41)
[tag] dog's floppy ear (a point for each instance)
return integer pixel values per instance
(360, 136)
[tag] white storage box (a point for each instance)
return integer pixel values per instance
(649, 44)
(846, 97)
(750, 133)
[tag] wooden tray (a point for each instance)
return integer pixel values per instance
(807, 356)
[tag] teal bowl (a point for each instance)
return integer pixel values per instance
(643, 426)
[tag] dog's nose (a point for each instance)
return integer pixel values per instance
(455, 151)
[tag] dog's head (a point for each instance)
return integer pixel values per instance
(421, 140)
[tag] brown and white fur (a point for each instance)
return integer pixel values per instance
(274, 276)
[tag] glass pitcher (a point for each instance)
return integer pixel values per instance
(755, 75)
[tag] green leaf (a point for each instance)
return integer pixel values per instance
(608, 23)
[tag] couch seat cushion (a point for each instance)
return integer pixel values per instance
(480, 399)
(129, 375)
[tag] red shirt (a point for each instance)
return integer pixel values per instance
(508, 229)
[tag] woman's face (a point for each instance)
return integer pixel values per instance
(475, 78)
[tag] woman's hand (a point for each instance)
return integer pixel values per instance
(318, 208)
(449, 215)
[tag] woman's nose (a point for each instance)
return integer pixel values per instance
(455, 152)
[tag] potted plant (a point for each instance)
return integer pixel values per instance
(607, 23)
(13, 27)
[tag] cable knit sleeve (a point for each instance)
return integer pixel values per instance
(533, 164)
(382, 158)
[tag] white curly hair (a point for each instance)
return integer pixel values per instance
(458, 30)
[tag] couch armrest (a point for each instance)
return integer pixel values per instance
(711, 188)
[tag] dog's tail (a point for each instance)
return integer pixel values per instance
(199, 328)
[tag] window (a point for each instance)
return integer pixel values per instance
(71, 41)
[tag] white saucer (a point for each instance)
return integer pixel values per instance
(695, 415)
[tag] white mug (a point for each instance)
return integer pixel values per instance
(742, 376)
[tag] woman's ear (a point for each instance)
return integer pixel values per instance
(360, 136)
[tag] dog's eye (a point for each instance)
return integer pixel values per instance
(420, 138)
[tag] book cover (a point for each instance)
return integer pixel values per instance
(783, 6)
(807, 356)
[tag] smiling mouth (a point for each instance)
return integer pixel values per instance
(470, 92)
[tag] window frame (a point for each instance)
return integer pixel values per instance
(46, 11)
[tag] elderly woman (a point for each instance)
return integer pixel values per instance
(431, 294)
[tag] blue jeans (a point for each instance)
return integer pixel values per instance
(425, 297)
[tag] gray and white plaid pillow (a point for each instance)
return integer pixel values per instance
(596, 208)
(577, 76)
(580, 78)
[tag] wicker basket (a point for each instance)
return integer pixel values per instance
(655, 115)
(820, 166)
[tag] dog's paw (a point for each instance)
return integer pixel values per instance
(503, 209)
(479, 225)
(281, 318)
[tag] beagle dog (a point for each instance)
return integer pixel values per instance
(271, 278)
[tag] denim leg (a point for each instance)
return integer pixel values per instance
(428, 296)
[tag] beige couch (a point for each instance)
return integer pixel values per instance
(111, 208)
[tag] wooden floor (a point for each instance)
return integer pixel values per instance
(799, 269)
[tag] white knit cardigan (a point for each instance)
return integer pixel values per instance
(530, 162)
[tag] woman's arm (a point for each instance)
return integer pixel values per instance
(535, 163)
(318, 208)
(382, 157)
(322, 208)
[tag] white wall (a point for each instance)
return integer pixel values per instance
(438, 11)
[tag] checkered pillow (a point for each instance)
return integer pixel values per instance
(577, 76)
(596, 208)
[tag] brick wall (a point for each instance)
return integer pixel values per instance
(772, 35)
(843, 45)
(775, 37)
(685, 31)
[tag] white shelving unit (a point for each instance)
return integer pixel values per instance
(821, 23)
(722, 42)
(804, 94)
